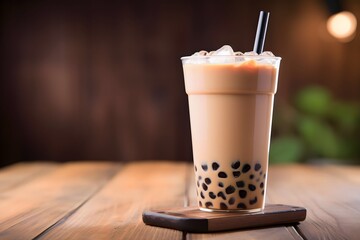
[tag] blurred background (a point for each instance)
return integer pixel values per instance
(90, 80)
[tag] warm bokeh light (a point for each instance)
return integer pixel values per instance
(342, 26)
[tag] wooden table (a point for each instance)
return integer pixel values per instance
(105, 200)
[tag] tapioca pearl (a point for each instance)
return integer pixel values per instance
(251, 176)
(251, 187)
(222, 175)
(261, 173)
(262, 192)
(253, 201)
(222, 195)
(257, 167)
(240, 184)
(264, 175)
(241, 206)
(195, 168)
(231, 201)
(198, 184)
(236, 174)
(212, 195)
(202, 195)
(221, 184)
(207, 181)
(208, 204)
(235, 165)
(246, 168)
(242, 193)
(223, 206)
(258, 180)
(200, 204)
(204, 167)
(230, 189)
(204, 187)
(199, 177)
(262, 185)
(215, 166)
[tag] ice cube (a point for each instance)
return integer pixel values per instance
(225, 50)
(267, 54)
(252, 53)
(225, 54)
(267, 58)
(200, 53)
(198, 57)
(269, 61)
(240, 59)
(203, 53)
(196, 54)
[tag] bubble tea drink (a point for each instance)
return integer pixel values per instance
(231, 101)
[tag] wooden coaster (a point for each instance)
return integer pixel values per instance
(191, 219)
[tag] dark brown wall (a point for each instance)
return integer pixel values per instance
(103, 80)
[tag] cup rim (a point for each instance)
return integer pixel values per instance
(235, 56)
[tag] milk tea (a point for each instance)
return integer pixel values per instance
(231, 107)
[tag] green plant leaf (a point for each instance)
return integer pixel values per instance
(286, 150)
(346, 116)
(314, 100)
(319, 137)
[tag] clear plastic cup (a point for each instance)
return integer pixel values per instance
(231, 107)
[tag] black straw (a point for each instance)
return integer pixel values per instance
(261, 32)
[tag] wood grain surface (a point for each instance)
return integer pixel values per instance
(115, 212)
(333, 202)
(30, 209)
(104, 200)
(21, 173)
